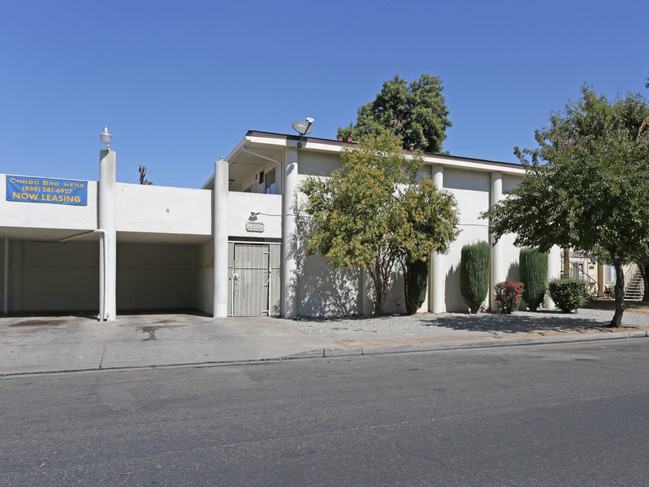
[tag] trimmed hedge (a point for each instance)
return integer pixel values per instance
(534, 276)
(568, 294)
(475, 266)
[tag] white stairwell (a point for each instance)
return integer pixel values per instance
(635, 288)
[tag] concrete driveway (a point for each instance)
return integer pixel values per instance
(35, 344)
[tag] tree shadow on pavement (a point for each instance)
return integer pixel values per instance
(539, 322)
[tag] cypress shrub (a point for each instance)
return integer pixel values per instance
(416, 285)
(534, 276)
(475, 266)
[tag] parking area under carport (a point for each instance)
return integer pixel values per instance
(43, 270)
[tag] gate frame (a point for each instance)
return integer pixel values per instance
(273, 272)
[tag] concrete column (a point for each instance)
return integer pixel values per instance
(498, 271)
(366, 305)
(554, 272)
(289, 234)
(600, 280)
(5, 287)
(437, 279)
(16, 274)
(566, 262)
(221, 183)
(106, 222)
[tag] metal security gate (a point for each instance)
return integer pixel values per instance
(254, 279)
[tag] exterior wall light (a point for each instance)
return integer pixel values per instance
(105, 137)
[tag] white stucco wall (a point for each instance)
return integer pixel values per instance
(162, 209)
(139, 208)
(325, 291)
(205, 277)
(46, 215)
(471, 190)
(511, 255)
(318, 163)
(240, 207)
(2, 279)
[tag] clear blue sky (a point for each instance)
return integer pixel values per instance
(179, 83)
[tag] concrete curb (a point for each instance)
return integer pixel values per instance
(503, 342)
(467, 344)
(360, 351)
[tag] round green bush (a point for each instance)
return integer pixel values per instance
(568, 294)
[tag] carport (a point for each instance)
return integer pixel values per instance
(40, 273)
(43, 271)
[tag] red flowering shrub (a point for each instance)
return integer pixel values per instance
(508, 295)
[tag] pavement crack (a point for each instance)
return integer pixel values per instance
(103, 353)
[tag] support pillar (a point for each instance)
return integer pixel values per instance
(5, 287)
(17, 275)
(498, 272)
(289, 234)
(554, 272)
(437, 281)
(106, 222)
(566, 262)
(600, 280)
(221, 183)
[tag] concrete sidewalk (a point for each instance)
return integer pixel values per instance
(77, 343)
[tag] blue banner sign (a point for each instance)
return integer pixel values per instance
(46, 190)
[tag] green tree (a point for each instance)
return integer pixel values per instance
(585, 186)
(373, 214)
(414, 111)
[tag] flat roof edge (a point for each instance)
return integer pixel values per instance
(341, 144)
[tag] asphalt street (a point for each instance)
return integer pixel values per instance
(567, 414)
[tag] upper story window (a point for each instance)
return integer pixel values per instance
(271, 185)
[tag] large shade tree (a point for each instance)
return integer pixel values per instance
(414, 111)
(373, 214)
(585, 186)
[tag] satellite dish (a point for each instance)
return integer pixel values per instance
(303, 128)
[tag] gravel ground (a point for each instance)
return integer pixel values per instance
(450, 325)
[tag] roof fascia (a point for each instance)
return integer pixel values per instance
(335, 147)
(429, 159)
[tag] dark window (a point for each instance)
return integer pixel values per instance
(271, 187)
